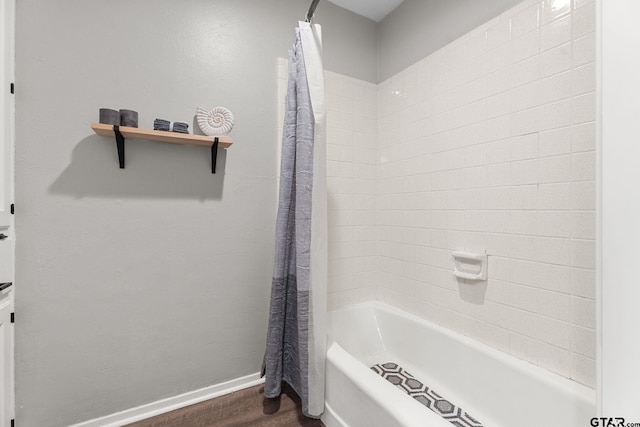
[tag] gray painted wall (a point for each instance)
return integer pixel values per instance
(143, 283)
(418, 28)
(138, 284)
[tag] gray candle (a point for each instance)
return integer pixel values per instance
(129, 118)
(109, 116)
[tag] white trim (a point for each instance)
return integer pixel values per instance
(7, 108)
(599, 326)
(620, 209)
(7, 138)
(172, 403)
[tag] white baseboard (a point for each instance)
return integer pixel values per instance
(172, 403)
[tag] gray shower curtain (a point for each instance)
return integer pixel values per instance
(296, 337)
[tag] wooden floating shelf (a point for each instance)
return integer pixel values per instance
(121, 133)
(161, 136)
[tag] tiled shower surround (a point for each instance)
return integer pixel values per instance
(489, 145)
(486, 145)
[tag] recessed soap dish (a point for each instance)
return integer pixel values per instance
(470, 266)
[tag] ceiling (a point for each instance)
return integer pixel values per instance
(372, 9)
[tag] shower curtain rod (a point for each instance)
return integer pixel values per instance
(312, 10)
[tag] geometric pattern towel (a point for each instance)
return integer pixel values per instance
(402, 379)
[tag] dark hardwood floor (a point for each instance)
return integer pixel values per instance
(246, 407)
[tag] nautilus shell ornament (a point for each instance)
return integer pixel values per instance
(218, 121)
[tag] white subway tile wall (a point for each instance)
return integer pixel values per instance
(486, 145)
(489, 145)
(352, 162)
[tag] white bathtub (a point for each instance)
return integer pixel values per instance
(493, 387)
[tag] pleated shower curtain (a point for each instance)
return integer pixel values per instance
(296, 336)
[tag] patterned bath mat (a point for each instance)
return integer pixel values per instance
(402, 379)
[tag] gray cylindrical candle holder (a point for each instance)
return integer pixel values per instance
(129, 118)
(109, 116)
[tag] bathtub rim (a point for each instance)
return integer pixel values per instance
(580, 391)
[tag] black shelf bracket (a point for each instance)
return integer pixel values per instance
(214, 154)
(119, 145)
